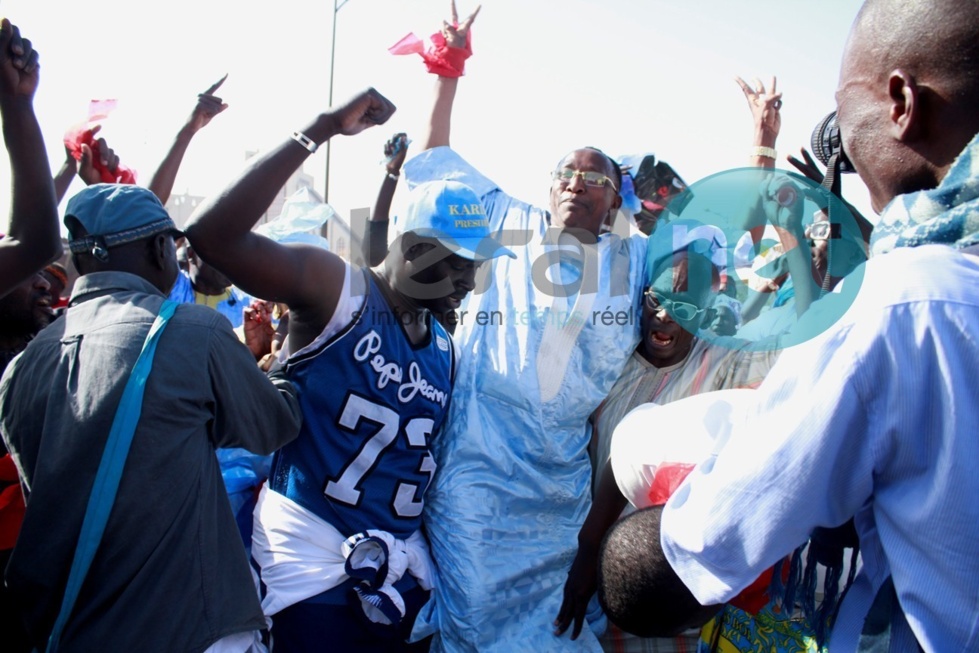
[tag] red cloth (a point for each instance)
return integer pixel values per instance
(440, 59)
(668, 478)
(82, 134)
(11, 503)
(755, 596)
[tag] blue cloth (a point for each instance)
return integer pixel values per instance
(115, 214)
(451, 212)
(330, 618)
(362, 458)
(243, 472)
(231, 308)
(947, 214)
(513, 485)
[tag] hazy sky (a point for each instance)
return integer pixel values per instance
(547, 76)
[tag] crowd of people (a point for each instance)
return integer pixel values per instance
(622, 422)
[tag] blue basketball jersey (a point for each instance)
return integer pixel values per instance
(371, 403)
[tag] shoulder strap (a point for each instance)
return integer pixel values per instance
(110, 471)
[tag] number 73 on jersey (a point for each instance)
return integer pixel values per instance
(408, 501)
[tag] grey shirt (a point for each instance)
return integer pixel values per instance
(170, 574)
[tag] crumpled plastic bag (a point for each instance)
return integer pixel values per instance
(440, 59)
(303, 212)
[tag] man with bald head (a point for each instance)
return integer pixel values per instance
(542, 339)
(874, 419)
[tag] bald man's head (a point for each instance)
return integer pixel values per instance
(908, 90)
(925, 37)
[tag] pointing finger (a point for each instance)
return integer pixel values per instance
(215, 86)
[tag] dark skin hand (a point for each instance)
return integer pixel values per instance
(455, 34)
(395, 151)
(582, 580)
(764, 104)
(19, 72)
(257, 327)
(810, 169)
(107, 156)
(376, 243)
(85, 167)
(440, 121)
(808, 166)
(208, 105)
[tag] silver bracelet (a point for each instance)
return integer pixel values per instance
(394, 176)
(305, 141)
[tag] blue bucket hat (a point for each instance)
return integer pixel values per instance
(451, 213)
(113, 215)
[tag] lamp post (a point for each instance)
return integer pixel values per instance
(337, 5)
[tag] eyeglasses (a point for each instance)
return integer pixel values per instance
(682, 311)
(822, 230)
(594, 179)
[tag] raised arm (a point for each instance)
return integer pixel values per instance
(64, 176)
(33, 237)
(765, 105)
(208, 106)
(307, 278)
(784, 202)
(85, 168)
(376, 242)
(765, 108)
(440, 121)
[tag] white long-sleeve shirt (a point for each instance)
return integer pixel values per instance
(879, 418)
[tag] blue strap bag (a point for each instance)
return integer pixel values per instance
(110, 471)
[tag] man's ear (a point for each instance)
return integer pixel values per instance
(414, 250)
(904, 96)
(159, 251)
(616, 203)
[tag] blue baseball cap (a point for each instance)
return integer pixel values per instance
(451, 213)
(113, 215)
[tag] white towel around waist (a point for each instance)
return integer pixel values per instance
(301, 555)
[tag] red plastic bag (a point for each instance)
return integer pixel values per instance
(439, 58)
(82, 134)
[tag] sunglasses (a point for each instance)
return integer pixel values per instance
(594, 179)
(682, 311)
(822, 230)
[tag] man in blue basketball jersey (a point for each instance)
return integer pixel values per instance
(343, 563)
